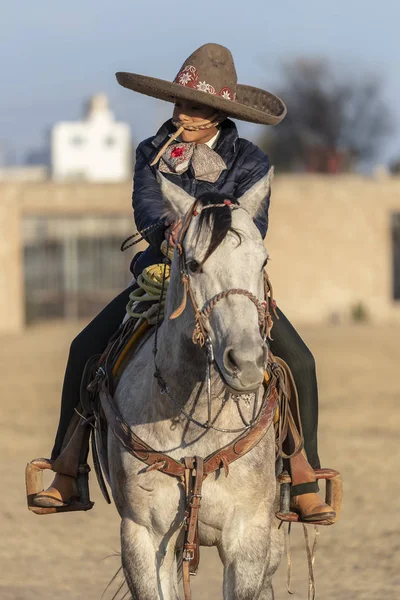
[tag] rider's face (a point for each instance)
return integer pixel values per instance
(186, 112)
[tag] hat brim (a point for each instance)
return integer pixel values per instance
(252, 104)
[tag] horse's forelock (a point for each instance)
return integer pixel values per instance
(216, 220)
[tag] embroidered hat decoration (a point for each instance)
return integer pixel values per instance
(208, 77)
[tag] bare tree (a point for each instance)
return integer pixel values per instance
(333, 121)
(395, 167)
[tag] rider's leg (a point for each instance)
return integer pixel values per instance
(92, 340)
(288, 345)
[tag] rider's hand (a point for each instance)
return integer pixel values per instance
(172, 231)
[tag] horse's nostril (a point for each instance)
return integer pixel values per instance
(231, 358)
(239, 363)
(231, 362)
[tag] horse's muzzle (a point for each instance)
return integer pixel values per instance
(243, 370)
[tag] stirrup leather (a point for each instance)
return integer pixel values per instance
(34, 485)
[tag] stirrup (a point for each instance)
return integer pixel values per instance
(34, 485)
(333, 496)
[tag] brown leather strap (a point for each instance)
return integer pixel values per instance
(194, 502)
(129, 440)
(247, 440)
(186, 579)
(194, 475)
(215, 461)
(177, 313)
(290, 422)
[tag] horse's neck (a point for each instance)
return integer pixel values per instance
(181, 363)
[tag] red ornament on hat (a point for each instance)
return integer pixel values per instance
(188, 77)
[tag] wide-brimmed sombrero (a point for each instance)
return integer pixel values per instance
(208, 77)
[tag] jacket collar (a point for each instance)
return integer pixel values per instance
(226, 141)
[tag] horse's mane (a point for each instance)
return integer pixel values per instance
(218, 219)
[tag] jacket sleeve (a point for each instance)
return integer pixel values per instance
(255, 166)
(147, 198)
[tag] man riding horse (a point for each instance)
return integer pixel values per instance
(199, 150)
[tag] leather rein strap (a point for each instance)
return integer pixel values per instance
(194, 476)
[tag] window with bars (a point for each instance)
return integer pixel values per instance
(73, 266)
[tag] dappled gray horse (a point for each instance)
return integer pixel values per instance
(222, 250)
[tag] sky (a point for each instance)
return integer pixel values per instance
(54, 56)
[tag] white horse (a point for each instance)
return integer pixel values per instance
(237, 511)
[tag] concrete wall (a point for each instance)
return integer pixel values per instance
(329, 241)
(24, 173)
(44, 198)
(11, 261)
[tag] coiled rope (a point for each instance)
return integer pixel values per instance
(150, 290)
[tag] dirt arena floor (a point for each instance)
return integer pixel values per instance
(75, 555)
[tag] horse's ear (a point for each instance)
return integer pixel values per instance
(255, 199)
(177, 201)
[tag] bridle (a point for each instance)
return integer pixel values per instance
(202, 315)
(200, 334)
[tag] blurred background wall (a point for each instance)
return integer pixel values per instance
(67, 150)
(334, 245)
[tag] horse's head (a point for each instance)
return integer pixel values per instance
(221, 257)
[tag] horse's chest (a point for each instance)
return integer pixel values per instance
(226, 504)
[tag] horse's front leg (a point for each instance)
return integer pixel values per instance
(151, 510)
(251, 554)
(149, 562)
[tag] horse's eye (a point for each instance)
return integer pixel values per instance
(265, 262)
(193, 265)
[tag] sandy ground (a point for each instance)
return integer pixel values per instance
(75, 555)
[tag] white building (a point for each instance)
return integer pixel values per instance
(97, 149)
